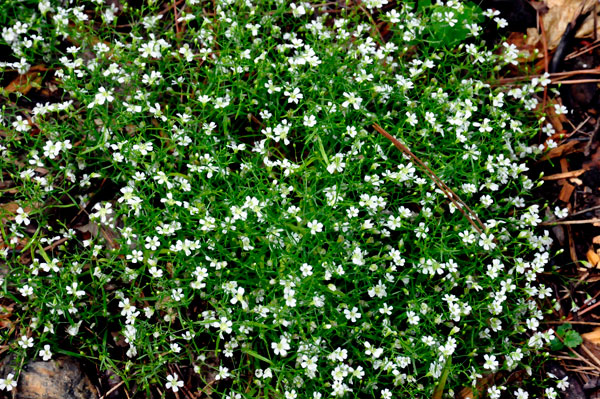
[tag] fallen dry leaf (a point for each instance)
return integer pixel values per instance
(527, 51)
(8, 211)
(593, 336)
(592, 257)
(465, 393)
(6, 313)
(560, 14)
(481, 387)
(24, 83)
(10, 207)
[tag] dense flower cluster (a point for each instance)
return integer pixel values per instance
(257, 225)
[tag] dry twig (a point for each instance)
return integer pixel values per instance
(469, 214)
(557, 222)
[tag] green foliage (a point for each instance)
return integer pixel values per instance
(449, 28)
(568, 337)
(205, 196)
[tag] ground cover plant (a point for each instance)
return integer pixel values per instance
(208, 208)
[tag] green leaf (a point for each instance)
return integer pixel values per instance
(572, 339)
(256, 355)
(439, 389)
(563, 328)
(444, 35)
(556, 345)
(422, 5)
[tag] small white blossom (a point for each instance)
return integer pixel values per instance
(173, 383)
(8, 383)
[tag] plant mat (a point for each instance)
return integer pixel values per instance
(37, 86)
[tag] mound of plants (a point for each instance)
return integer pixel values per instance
(205, 202)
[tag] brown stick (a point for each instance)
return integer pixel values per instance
(588, 323)
(552, 75)
(112, 389)
(368, 14)
(578, 356)
(565, 175)
(590, 354)
(574, 81)
(581, 212)
(455, 199)
(557, 222)
(582, 51)
(175, 4)
(581, 312)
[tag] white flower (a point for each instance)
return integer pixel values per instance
(490, 362)
(21, 125)
(521, 394)
(545, 79)
(155, 272)
(173, 383)
(221, 102)
(386, 309)
(351, 99)
(177, 294)
(502, 23)
(560, 109)
(413, 318)
(309, 363)
(494, 392)
(370, 350)
(315, 227)
(486, 241)
(224, 325)
(411, 118)
(561, 213)
(8, 383)
(309, 120)
(102, 212)
(74, 329)
(26, 290)
(223, 373)
(72, 290)
(394, 16)
(25, 342)
(45, 353)
(294, 95)
(271, 88)
(297, 11)
(103, 96)
(337, 164)
(421, 231)
(21, 217)
(563, 384)
(281, 347)
(353, 314)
